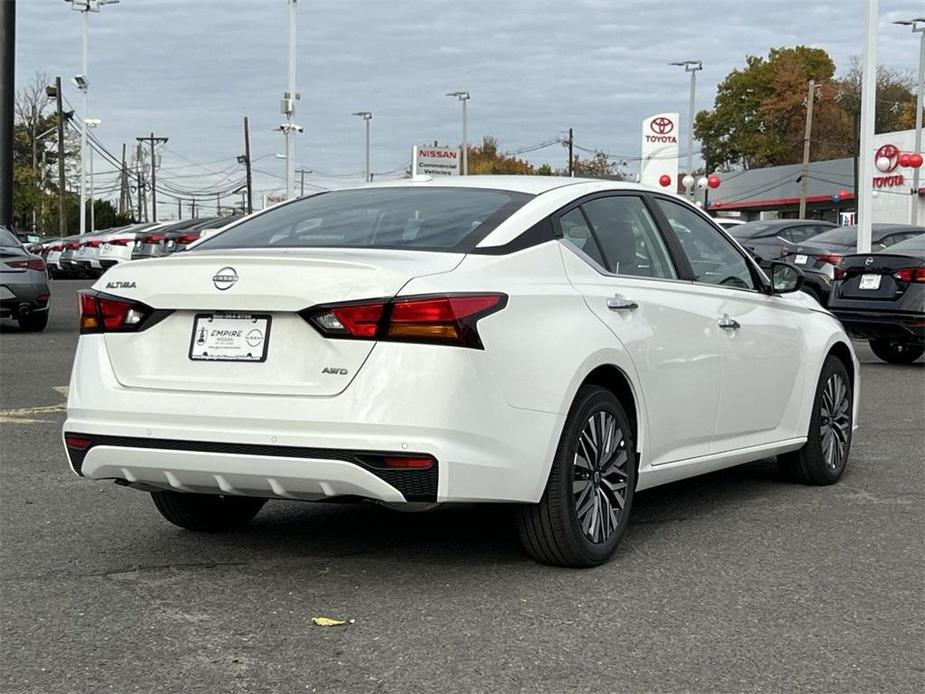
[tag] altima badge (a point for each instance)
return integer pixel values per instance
(225, 278)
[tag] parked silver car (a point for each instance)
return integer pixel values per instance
(24, 290)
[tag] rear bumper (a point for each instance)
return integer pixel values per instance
(22, 299)
(299, 447)
(904, 327)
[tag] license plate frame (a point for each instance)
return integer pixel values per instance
(800, 259)
(235, 348)
(870, 282)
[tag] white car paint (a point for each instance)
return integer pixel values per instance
(706, 398)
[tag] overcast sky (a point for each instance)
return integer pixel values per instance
(191, 69)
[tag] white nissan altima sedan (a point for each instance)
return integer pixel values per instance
(557, 343)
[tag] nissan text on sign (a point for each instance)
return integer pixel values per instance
(435, 161)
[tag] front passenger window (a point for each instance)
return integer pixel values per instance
(713, 258)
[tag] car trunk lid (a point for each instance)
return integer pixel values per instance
(253, 290)
(878, 276)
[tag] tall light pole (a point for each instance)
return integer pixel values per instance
(91, 123)
(290, 96)
(85, 7)
(464, 97)
(918, 26)
(366, 116)
(868, 105)
(691, 66)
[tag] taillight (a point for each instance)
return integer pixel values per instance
(95, 243)
(72, 246)
(840, 272)
(30, 264)
(100, 313)
(120, 242)
(910, 274)
(154, 238)
(188, 238)
(447, 319)
(831, 259)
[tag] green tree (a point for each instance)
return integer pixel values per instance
(486, 159)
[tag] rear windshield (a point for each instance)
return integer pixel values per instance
(840, 236)
(746, 231)
(434, 219)
(8, 238)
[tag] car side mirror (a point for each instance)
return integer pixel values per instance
(785, 278)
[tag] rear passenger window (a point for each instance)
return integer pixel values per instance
(628, 236)
(575, 230)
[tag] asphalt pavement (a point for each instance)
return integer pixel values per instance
(736, 581)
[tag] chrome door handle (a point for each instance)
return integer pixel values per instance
(618, 302)
(729, 323)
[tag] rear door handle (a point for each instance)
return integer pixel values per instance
(729, 323)
(618, 302)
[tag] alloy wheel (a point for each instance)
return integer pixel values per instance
(600, 477)
(835, 421)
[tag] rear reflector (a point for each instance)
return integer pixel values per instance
(79, 442)
(409, 463)
(443, 319)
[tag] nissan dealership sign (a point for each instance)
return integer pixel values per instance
(435, 161)
(659, 164)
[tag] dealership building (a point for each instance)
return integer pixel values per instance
(774, 192)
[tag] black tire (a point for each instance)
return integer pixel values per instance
(551, 531)
(34, 322)
(894, 352)
(823, 458)
(207, 512)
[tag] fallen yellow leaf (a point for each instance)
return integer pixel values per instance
(328, 622)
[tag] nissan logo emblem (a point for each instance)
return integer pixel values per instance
(225, 278)
(869, 261)
(661, 125)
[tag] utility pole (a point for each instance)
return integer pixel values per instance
(288, 109)
(124, 204)
(7, 100)
(571, 146)
(366, 116)
(179, 208)
(807, 135)
(192, 208)
(247, 164)
(218, 204)
(302, 173)
(62, 222)
(139, 180)
(151, 140)
(868, 104)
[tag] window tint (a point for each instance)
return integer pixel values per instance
(575, 230)
(713, 259)
(8, 238)
(425, 218)
(628, 236)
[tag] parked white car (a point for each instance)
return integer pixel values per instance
(558, 343)
(116, 247)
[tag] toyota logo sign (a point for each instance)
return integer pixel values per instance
(890, 153)
(661, 125)
(225, 278)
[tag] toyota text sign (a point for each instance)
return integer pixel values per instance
(660, 151)
(435, 161)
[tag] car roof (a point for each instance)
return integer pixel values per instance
(533, 185)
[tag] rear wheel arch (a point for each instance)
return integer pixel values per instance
(613, 378)
(842, 352)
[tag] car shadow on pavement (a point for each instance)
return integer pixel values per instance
(464, 533)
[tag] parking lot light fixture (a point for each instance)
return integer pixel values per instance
(691, 66)
(918, 27)
(366, 116)
(463, 96)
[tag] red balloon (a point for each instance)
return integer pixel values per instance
(664, 180)
(713, 181)
(915, 160)
(904, 159)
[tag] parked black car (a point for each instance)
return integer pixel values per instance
(773, 239)
(880, 296)
(819, 256)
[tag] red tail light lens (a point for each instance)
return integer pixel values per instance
(81, 443)
(72, 246)
(840, 272)
(187, 238)
(154, 238)
(120, 242)
(30, 264)
(95, 243)
(448, 319)
(831, 259)
(409, 463)
(100, 313)
(910, 274)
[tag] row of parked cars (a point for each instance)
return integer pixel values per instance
(90, 255)
(878, 296)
